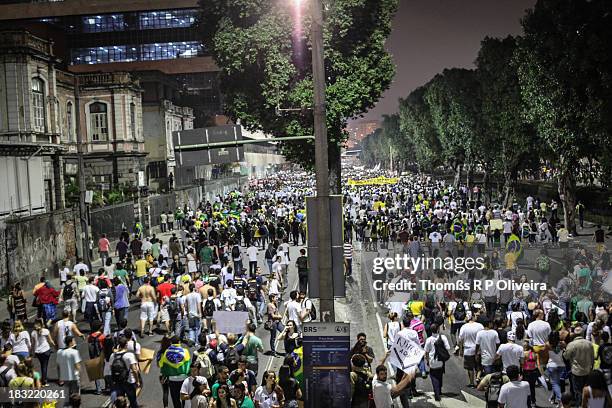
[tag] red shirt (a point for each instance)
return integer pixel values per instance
(103, 245)
(47, 295)
(164, 289)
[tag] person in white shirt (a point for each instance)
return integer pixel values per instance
(538, 331)
(193, 311)
(128, 386)
(190, 383)
(69, 364)
(436, 367)
(293, 309)
(228, 296)
(63, 272)
(252, 255)
(514, 394)
(435, 237)
(277, 268)
(510, 352)
(384, 389)
(467, 339)
(90, 296)
(227, 274)
(412, 335)
(487, 341)
(41, 344)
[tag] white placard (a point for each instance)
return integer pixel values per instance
(230, 322)
(405, 353)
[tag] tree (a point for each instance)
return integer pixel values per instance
(513, 139)
(416, 124)
(564, 69)
(388, 143)
(454, 101)
(264, 64)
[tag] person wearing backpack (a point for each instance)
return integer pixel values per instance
(69, 294)
(105, 306)
(437, 353)
(308, 311)
(491, 385)
(125, 373)
(458, 314)
(95, 346)
(361, 382)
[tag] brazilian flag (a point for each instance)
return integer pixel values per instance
(425, 224)
(176, 360)
(515, 246)
(458, 229)
(298, 374)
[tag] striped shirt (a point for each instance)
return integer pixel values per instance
(348, 251)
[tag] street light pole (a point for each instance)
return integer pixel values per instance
(81, 174)
(321, 167)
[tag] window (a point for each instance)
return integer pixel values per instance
(143, 52)
(98, 121)
(133, 120)
(69, 132)
(38, 104)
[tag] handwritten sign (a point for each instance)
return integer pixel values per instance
(406, 352)
(230, 322)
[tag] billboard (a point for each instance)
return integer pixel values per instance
(216, 134)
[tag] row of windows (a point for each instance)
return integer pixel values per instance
(144, 52)
(98, 115)
(145, 20)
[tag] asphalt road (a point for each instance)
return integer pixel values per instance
(151, 395)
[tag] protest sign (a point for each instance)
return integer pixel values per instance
(230, 322)
(405, 352)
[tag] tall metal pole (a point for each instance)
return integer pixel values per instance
(321, 167)
(81, 174)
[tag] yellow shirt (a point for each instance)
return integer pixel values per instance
(510, 259)
(416, 306)
(141, 268)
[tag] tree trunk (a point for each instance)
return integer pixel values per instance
(335, 169)
(509, 184)
(468, 179)
(486, 190)
(567, 193)
(457, 176)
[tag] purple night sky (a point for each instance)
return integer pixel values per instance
(430, 35)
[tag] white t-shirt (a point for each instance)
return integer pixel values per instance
(306, 304)
(264, 399)
(274, 287)
(514, 394)
(90, 293)
(66, 360)
(430, 348)
(538, 332)
(293, 311)
(80, 267)
(511, 354)
(21, 343)
(40, 341)
(488, 341)
(514, 316)
(435, 237)
(252, 253)
(192, 300)
(187, 387)
(382, 393)
(129, 359)
(228, 296)
(64, 274)
(467, 334)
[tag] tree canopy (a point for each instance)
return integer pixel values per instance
(265, 64)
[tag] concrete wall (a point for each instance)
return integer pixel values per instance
(37, 245)
(109, 220)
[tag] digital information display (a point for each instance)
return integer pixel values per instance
(327, 365)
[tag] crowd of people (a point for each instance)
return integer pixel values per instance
(211, 262)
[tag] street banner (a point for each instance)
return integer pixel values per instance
(405, 353)
(327, 365)
(496, 225)
(230, 322)
(376, 181)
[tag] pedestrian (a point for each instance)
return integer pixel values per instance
(487, 342)
(48, 298)
(252, 347)
(20, 340)
(175, 364)
(148, 308)
(41, 344)
(467, 342)
(125, 372)
(302, 267)
(391, 328)
(17, 304)
(437, 352)
(163, 221)
(193, 311)
(95, 345)
(361, 381)
(385, 390)
(90, 298)
(579, 352)
(103, 248)
(191, 385)
(515, 393)
(252, 252)
(269, 394)
(69, 364)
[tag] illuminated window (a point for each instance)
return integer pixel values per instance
(38, 104)
(98, 122)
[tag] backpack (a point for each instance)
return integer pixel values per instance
(209, 307)
(103, 304)
(119, 369)
(605, 354)
(313, 309)
(231, 358)
(240, 305)
(441, 353)
(253, 290)
(68, 292)
(235, 252)
(459, 313)
(173, 308)
(3, 380)
(530, 363)
(207, 369)
(95, 344)
(495, 384)
(363, 387)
